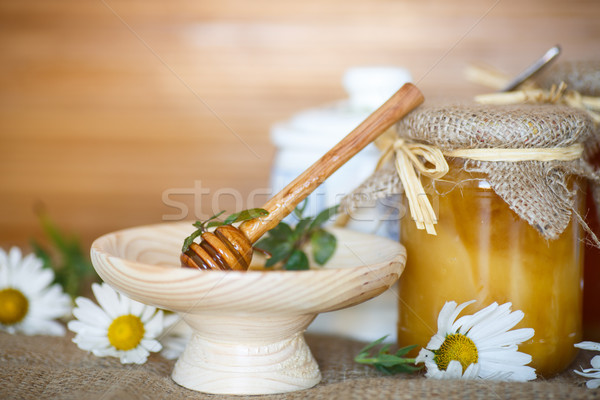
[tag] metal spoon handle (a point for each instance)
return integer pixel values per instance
(533, 69)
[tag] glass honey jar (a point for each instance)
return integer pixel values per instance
(508, 218)
(484, 251)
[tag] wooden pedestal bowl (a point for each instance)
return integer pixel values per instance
(247, 326)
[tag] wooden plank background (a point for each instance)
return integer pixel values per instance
(107, 105)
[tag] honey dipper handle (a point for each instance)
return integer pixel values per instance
(283, 203)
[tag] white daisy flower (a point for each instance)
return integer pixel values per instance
(175, 337)
(478, 346)
(28, 302)
(120, 327)
(593, 372)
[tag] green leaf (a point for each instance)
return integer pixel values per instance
(324, 216)
(246, 215)
(404, 350)
(299, 210)
(386, 362)
(270, 243)
(281, 252)
(323, 245)
(217, 215)
(297, 261)
(190, 239)
(286, 243)
(281, 232)
(398, 368)
(72, 266)
(42, 254)
(373, 344)
(301, 228)
(213, 224)
(267, 243)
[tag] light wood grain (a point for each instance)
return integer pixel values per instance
(105, 105)
(248, 326)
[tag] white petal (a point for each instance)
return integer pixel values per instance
(147, 313)
(495, 375)
(136, 308)
(31, 285)
(589, 372)
(170, 353)
(446, 318)
(76, 326)
(151, 345)
(456, 312)
(465, 323)
(523, 374)
(447, 315)
(91, 343)
(170, 319)
(504, 356)
(47, 327)
(51, 304)
(14, 257)
(424, 355)
(173, 346)
(596, 362)
(509, 338)
(593, 384)
(472, 372)
(4, 275)
(444, 321)
(139, 355)
(12, 329)
(90, 313)
(105, 352)
(27, 327)
(519, 373)
(155, 326)
(107, 298)
(3, 258)
(436, 341)
(498, 323)
(124, 304)
(31, 263)
(454, 370)
(588, 346)
(433, 371)
(85, 329)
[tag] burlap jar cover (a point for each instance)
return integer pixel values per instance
(527, 152)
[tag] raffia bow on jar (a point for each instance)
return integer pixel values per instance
(527, 153)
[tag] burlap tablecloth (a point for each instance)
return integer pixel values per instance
(42, 367)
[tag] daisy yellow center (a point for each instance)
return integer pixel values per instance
(13, 306)
(126, 332)
(456, 347)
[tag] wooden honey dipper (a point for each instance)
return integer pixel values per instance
(230, 248)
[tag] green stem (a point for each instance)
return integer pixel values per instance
(376, 360)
